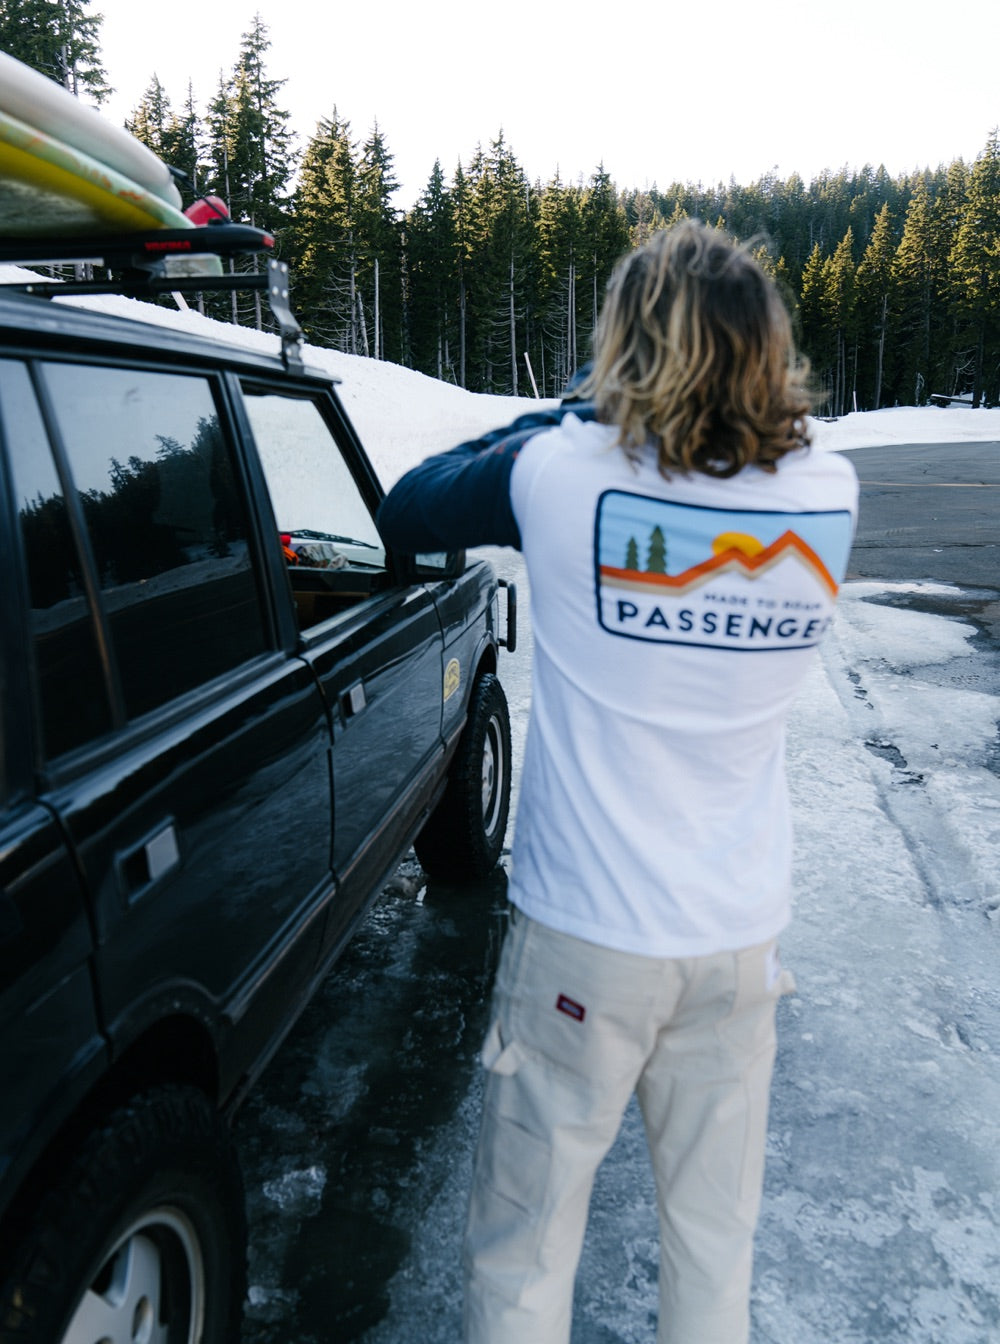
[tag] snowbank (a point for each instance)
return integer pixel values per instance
(403, 416)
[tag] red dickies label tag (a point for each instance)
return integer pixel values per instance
(574, 1010)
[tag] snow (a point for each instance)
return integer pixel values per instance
(908, 424)
(881, 1219)
(403, 416)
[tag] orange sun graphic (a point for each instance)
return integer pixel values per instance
(736, 541)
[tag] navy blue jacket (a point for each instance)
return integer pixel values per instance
(461, 498)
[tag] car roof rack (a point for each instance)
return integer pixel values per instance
(149, 264)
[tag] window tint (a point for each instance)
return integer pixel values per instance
(71, 686)
(167, 523)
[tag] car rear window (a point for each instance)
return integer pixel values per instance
(167, 523)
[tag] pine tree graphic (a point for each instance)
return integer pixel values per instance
(632, 554)
(656, 561)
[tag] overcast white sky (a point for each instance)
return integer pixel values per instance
(656, 91)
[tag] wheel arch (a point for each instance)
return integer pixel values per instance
(487, 660)
(159, 1173)
(177, 1049)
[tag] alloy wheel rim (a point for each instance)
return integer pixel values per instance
(494, 766)
(157, 1261)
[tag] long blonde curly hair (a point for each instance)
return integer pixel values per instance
(693, 352)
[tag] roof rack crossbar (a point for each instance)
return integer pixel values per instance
(141, 258)
(139, 285)
(137, 249)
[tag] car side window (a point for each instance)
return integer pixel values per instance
(167, 523)
(331, 545)
(71, 683)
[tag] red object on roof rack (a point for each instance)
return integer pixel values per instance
(208, 210)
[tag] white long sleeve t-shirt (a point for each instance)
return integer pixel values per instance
(674, 621)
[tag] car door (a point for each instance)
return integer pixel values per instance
(374, 644)
(51, 1046)
(186, 752)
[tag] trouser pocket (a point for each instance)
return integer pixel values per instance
(511, 1175)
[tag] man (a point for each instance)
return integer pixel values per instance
(683, 545)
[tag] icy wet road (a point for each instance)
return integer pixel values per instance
(881, 1219)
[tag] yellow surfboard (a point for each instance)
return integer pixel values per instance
(65, 170)
(46, 106)
(48, 187)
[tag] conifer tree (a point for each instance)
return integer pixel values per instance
(874, 291)
(605, 235)
(60, 39)
(839, 293)
(656, 559)
(644, 215)
(379, 239)
(498, 240)
(431, 260)
(182, 146)
(815, 334)
(151, 117)
(323, 238)
(173, 137)
(957, 360)
(790, 224)
(762, 256)
(975, 265)
(830, 216)
(261, 159)
(560, 244)
(250, 148)
(914, 285)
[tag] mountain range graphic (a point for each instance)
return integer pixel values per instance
(733, 553)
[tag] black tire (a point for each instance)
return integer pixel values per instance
(142, 1236)
(464, 835)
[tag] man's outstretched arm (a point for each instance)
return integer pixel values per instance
(461, 498)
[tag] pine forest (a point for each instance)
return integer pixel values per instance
(493, 282)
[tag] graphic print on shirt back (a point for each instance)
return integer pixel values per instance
(738, 579)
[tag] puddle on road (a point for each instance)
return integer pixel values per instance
(379, 1062)
(979, 607)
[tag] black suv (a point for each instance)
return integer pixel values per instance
(227, 711)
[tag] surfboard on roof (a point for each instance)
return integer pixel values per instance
(65, 170)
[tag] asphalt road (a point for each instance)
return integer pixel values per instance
(931, 512)
(366, 1118)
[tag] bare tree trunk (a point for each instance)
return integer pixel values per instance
(361, 322)
(229, 197)
(571, 323)
(881, 353)
(352, 340)
(513, 331)
(461, 332)
(257, 313)
(977, 373)
(378, 315)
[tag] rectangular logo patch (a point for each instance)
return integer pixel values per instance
(572, 1009)
(743, 579)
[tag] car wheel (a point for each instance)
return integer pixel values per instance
(465, 833)
(142, 1238)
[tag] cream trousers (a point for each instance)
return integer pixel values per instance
(576, 1029)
